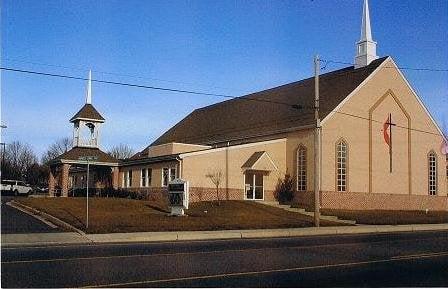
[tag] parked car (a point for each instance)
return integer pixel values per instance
(17, 188)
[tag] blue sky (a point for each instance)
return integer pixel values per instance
(226, 47)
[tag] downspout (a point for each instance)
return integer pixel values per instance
(227, 170)
(179, 160)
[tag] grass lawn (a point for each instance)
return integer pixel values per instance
(385, 217)
(110, 215)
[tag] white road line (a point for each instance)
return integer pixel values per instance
(128, 284)
(184, 253)
(32, 215)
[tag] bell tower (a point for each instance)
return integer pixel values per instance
(87, 122)
(365, 47)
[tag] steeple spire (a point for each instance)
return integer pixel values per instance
(366, 47)
(89, 89)
(366, 32)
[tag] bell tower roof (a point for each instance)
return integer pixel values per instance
(88, 112)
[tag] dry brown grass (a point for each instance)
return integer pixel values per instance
(389, 217)
(109, 215)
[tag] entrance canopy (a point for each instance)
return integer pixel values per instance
(260, 161)
(75, 158)
(76, 155)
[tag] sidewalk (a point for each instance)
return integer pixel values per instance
(9, 240)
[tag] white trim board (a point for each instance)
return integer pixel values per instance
(231, 147)
(269, 158)
(419, 100)
(354, 91)
(368, 79)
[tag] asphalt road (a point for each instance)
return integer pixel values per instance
(398, 259)
(16, 222)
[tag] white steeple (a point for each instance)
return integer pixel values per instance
(89, 89)
(365, 47)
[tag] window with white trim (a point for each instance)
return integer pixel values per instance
(143, 177)
(301, 168)
(341, 166)
(432, 173)
(148, 177)
(165, 176)
(172, 174)
(168, 175)
(127, 179)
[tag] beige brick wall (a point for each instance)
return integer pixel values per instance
(385, 93)
(376, 201)
(229, 161)
(156, 177)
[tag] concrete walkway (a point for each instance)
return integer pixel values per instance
(40, 239)
(305, 212)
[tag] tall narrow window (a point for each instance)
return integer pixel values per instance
(341, 166)
(144, 178)
(149, 177)
(165, 176)
(301, 168)
(129, 179)
(432, 173)
(172, 173)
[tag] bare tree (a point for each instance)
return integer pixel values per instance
(121, 151)
(19, 158)
(56, 149)
(215, 177)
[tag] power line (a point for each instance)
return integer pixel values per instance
(79, 68)
(148, 87)
(396, 67)
(294, 106)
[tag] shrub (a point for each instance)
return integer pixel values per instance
(284, 191)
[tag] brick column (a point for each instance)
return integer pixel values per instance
(51, 182)
(64, 179)
(115, 178)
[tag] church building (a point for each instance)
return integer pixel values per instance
(380, 148)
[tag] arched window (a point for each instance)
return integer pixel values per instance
(341, 166)
(432, 173)
(301, 168)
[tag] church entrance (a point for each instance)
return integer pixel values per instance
(253, 185)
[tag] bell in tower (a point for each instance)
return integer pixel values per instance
(86, 122)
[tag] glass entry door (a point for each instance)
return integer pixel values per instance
(253, 182)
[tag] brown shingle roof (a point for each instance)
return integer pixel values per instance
(253, 159)
(76, 152)
(239, 118)
(87, 112)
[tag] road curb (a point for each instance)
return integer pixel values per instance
(52, 219)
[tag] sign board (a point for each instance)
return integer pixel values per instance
(88, 158)
(178, 196)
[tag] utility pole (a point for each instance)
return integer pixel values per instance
(2, 126)
(316, 143)
(87, 195)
